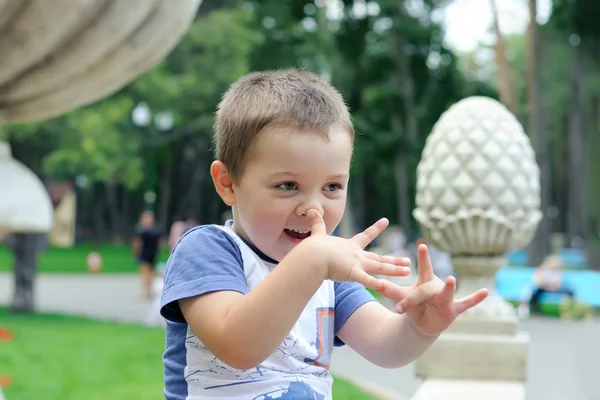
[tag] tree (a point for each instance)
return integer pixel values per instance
(575, 19)
(504, 71)
(540, 246)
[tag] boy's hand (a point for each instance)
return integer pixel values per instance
(346, 259)
(429, 303)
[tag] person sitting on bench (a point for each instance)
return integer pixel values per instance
(548, 279)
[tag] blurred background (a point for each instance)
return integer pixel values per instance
(398, 63)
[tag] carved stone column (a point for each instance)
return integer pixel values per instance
(60, 55)
(56, 56)
(25, 207)
(478, 196)
(24, 204)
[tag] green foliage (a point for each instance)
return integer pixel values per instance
(576, 17)
(190, 81)
(93, 144)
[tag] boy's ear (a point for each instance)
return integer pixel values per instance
(223, 182)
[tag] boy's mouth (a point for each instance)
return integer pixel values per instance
(296, 235)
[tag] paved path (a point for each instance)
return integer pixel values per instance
(562, 364)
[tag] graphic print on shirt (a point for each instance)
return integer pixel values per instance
(300, 352)
(296, 391)
(324, 337)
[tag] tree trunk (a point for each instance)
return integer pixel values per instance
(361, 194)
(126, 214)
(404, 78)
(112, 205)
(504, 75)
(26, 248)
(98, 216)
(194, 206)
(402, 190)
(165, 194)
(371, 207)
(561, 178)
(540, 246)
(577, 189)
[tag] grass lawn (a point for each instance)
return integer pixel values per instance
(375, 294)
(57, 357)
(115, 259)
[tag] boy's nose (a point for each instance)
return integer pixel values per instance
(303, 208)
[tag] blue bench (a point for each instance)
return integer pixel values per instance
(573, 258)
(513, 282)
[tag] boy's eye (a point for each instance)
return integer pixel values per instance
(287, 186)
(333, 187)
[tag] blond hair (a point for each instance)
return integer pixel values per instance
(283, 98)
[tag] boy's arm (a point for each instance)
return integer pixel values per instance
(383, 337)
(243, 330)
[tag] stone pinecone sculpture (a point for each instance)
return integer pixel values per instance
(478, 184)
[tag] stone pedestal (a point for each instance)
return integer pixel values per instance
(438, 389)
(469, 356)
(484, 343)
(478, 196)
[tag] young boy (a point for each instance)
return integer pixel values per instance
(255, 307)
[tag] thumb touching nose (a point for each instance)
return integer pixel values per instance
(317, 224)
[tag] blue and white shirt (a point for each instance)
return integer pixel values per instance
(212, 258)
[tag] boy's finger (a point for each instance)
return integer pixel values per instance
(368, 235)
(317, 224)
(382, 268)
(392, 291)
(420, 294)
(464, 304)
(447, 293)
(424, 266)
(403, 261)
(360, 276)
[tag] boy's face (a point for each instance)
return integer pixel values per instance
(287, 173)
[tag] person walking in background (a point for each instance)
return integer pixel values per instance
(146, 246)
(177, 230)
(190, 223)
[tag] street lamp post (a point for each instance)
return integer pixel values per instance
(143, 118)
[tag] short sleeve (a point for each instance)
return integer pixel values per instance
(349, 296)
(205, 260)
